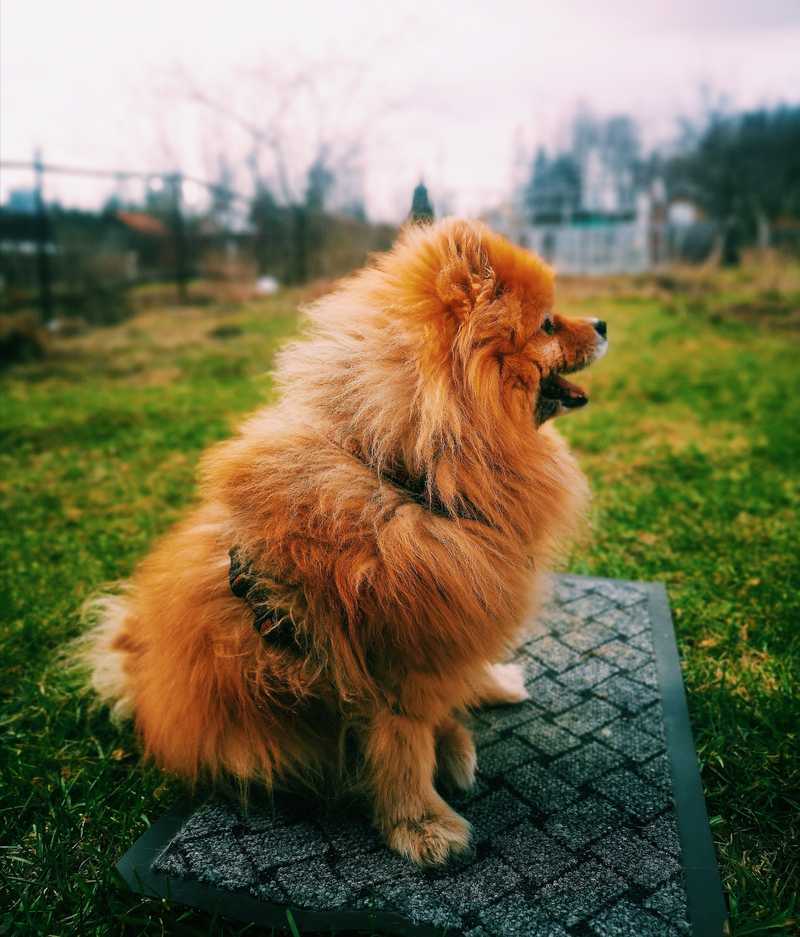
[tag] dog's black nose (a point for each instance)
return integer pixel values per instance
(600, 327)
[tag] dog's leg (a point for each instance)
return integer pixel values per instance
(413, 818)
(455, 754)
(501, 685)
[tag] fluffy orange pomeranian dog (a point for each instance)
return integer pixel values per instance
(367, 551)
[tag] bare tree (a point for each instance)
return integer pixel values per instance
(292, 119)
(295, 133)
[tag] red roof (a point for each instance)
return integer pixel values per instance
(142, 223)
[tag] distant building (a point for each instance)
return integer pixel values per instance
(21, 201)
(591, 210)
(594, 242)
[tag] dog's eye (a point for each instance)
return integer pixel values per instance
(548, 327)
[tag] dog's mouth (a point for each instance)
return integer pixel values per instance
(558, 395)
(557, 389)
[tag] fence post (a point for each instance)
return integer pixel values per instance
(175, 182)
(43, 241)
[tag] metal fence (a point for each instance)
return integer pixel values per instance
(65, 262)
(610, 246)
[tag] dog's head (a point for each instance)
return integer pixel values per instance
(451, 337)
(493, 305)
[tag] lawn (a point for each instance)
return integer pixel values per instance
(692, 445)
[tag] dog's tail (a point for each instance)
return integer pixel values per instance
(98, 653)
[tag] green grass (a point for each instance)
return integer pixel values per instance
(692, 445)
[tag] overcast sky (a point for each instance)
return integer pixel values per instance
(450, 90)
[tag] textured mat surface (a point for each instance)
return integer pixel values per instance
(574, 821)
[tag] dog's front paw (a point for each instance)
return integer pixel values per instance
(431, 839)
(507, 685)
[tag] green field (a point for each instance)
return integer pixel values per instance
(692, 445)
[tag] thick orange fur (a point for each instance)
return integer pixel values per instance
(424, 366)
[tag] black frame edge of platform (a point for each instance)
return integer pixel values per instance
(708, 913)
(135, 867)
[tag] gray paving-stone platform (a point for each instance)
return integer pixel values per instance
(587, 816)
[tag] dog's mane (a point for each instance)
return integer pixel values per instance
(405, 364)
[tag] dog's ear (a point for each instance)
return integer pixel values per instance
(466, 277)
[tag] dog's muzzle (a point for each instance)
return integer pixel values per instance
(558, 395)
